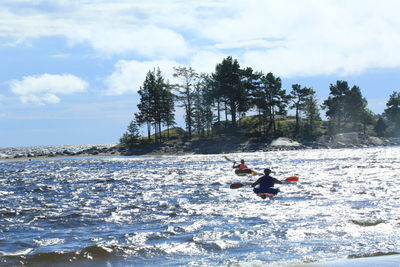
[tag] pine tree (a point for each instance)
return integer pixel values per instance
(355, 107)
(188, 77)
(312, 116)
(227, 78)
(393, 111)
(156, 107)
(299, 96)
(273, 99)
(144, 115)
(335, 105)
(380, 126)
(131, 136)
(168, 108)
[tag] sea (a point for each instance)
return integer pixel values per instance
(179, 210)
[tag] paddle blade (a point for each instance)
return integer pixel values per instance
(228, 159)
(236, 185)
(292, 179)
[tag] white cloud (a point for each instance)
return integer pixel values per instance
(313, 37)
(206, 60)
(147, 40)
(128, 76)
(45, 88)
(251, 44)
(289, 37)
(109, 28)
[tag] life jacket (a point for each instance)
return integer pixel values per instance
(243, 166)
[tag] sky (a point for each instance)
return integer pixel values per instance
(70, 69)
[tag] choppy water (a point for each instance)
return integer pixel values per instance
(179, 210)
(24, 151)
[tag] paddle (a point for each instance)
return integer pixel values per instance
(228, 159)
(288, 179)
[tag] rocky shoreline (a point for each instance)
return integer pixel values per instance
(234, 145)
(200, 146)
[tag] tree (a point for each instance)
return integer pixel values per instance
(312, 116)
(202, 114)
(380, 127)
(227, 78)
(168, 106)
(250, 83)
(131, 137)
(299, 96)
(355, 108)
(185, 95)
(144, 115)
(215, 99)
(273, 99)
(393, 111)
(156, 107)
(335, 105)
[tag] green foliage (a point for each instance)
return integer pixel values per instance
(227, 78)
(217, 104)
(131, 137)
(173, 133)
(346, 108)
(380, 127)
(185, 93)
(202, 114)
(393, 112)
(335, 105)
(156, 107)
(312, 127)
(300, 98)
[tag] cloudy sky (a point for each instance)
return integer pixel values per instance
(70, 69)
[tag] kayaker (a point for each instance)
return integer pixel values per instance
(266, 183)
(241, 168)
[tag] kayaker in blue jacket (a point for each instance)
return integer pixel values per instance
(266, 183)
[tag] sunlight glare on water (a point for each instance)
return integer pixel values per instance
(179, 210)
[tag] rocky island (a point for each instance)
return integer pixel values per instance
(211, 145)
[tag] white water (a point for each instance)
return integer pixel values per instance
(179, 210)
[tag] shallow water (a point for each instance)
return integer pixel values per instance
(179, 210)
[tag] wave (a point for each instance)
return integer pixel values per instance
(374, 254)
(368, 223)
(90, 255)
(99, 255)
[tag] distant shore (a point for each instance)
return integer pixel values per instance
(215, 145)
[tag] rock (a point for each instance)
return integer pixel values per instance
(375, 141)
(352, 139)
(68, 153)
(284, 142)
(345, 139)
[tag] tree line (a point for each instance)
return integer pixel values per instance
(216, 103)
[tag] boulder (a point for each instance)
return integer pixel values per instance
(284, 142)
(352, 139)
(375, 141)
(346, 139)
